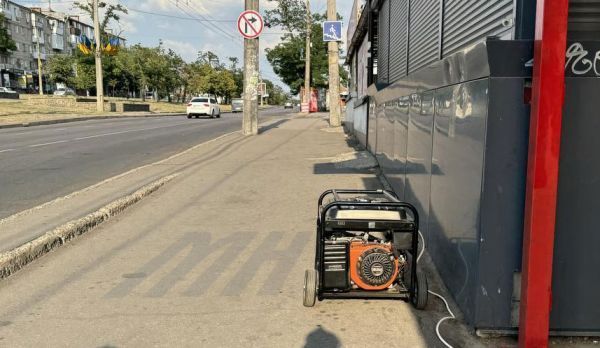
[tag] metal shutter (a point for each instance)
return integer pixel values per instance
(584, 20)
(398, 39)
(424, 33)
(383, 37)
(469, 22)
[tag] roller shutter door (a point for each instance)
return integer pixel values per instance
(469, 22)
(424, 33)
(398, 39)
(383, 37)
(584, 20)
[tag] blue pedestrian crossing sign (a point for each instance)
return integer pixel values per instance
(332, 31)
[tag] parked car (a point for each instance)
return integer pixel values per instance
(203, 106)
(64, 92)
(6, 90)
(288, 105)
(237, 105)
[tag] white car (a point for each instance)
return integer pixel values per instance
(203, 106)
(6, 90)
(64, 92)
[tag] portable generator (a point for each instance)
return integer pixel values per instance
(367, 242)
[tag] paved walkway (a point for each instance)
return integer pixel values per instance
(215, 258)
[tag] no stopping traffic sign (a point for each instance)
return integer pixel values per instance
(250, 24)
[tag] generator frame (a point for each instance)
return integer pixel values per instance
(327, 224)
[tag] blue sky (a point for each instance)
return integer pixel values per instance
(148, 21)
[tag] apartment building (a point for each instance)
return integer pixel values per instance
(37, 33)
(15, 66)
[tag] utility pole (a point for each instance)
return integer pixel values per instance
(98, 54)
(39, 62)
(307, 57)
(250, 119)
(334, 72)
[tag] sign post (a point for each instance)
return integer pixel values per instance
(332, 34)
(250, 25)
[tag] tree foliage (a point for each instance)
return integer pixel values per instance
(288, 57)
(6, 42)
(61, 69)
(111, 12)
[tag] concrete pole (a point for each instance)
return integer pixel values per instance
(334, 72)
(39, 63)
(250, 119)
(307, 56)
(98, 54)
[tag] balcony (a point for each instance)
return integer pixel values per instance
(35, 39)
(42, 55)
(58, 42)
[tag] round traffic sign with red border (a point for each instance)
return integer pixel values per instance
(250, 24)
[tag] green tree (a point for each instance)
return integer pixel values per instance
(290, 15)
(85, 73)
(7, 44)
(111, 12)
(287, 58)
(61, 69)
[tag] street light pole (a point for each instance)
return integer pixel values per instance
(98, 54)
(307, 57)
(334, 72)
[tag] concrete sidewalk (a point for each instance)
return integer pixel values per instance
(216, 258)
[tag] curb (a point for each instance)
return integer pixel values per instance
(87, 118)
(12, 261)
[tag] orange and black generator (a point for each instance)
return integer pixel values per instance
(367, 247)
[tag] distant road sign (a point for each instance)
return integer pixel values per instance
(332, 31)
(250, 24)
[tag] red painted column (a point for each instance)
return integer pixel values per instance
(542, 171)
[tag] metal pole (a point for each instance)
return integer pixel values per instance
(334, 72)
(250, 119)
(98, 54)
(307, 56)
(39, 63)
(542, 171)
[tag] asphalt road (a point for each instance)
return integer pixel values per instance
(41, 163)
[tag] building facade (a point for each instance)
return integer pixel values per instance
(16, 66)
(38, 34)
(440, 95)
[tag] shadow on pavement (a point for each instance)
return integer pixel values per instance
(321, 338)
(273, 125)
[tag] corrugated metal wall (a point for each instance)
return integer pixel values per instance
(383, 37)
(424, 33)
(584, 20)
(398, 39)
(466, 22)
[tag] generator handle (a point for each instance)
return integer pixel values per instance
(336, 192)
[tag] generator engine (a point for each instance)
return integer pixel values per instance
(363, 261)
(373, 265)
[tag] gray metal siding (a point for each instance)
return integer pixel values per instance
(584, 20)
(469, 22)
(383, 37)
(424, 33)
(398, 39)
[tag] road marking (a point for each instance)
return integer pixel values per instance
(104, 135)
(50, 143)
(116, 177)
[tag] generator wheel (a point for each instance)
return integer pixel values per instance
(310, 287)
(421, 290)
